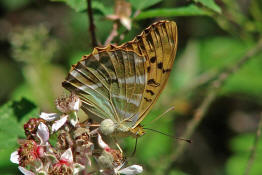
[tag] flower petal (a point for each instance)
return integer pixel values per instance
(125, 21)
(101, 143)
(76, 104)
(14, 158)
(43, 133)
(67, 155)
(25, 171)
(131, 170)
(73, 122)
(49, 116)
(59, 123)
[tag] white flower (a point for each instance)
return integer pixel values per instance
(77, 104)
(67, 157)
(43, 133)
(101, 143)
(68, 104)
(25, 171)
(14, 158)
(49, 116)
(131, 170)
(59, 123)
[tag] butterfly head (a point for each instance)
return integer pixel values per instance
(137, 131)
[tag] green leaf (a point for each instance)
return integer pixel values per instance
(186, 67)
(177, 172)
(220, 52)
(10, 114)
(81, 5)
(14, 4)
(5, 164)
(143, 4)
(105, 10)
(247, 80)
(77, 5)
(210, 4)
(191, 10)
(10, 129)
(241, 147)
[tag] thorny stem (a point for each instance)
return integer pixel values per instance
(211, 95)
(251, 157)
(91, 23)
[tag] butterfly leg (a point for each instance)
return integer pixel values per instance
(118, 146)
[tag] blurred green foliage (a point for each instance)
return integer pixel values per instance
(13, 116)
(241, 146)
(38, 49)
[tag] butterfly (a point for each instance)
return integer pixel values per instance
(122, 83)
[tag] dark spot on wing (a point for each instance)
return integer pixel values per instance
(153, 59)
(166, 70)
(160, 65)
(148, 69)
(148, 100)
(152, 82)
(146, 31)
(150, 92)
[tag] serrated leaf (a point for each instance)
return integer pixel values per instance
(210, 4)
(143, 4)
(191, 10)
(9, 131)
(10, 114)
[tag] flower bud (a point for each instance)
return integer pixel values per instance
(68, 104)
(29, 152)
(31, 127)
(106, 160)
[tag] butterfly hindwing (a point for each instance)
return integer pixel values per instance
(110, 84)
(123, 82)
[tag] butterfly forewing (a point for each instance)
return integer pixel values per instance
(158, 45)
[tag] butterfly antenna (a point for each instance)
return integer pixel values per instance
(134, 152)
(157, 118)
(177, 138)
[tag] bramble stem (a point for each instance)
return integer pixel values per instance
(91, 23)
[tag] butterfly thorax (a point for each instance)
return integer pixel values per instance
(121, 131)
(137, 131)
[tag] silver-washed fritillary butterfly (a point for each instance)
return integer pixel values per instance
(123, 82)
